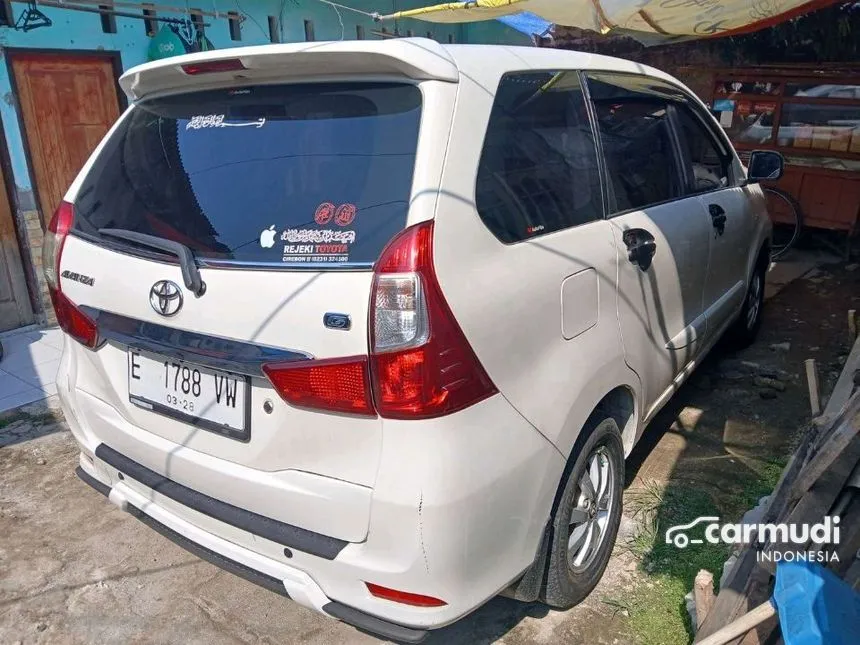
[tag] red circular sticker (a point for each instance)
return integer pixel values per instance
(345, 214)
(324, 213)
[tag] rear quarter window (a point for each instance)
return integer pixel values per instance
(307, 174)
(538, 171)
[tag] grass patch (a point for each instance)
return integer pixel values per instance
(16, 416)
(657, 610)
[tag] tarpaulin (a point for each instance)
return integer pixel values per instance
(662, 18)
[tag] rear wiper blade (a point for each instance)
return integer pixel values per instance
(190, 272)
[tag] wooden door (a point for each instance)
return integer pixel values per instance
(68, 103)
(15, 309)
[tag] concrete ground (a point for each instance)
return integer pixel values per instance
(74, 569)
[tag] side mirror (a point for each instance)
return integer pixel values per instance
(765, 165)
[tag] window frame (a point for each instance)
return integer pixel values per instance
(677, 150)
(689, 180)
(602, 211)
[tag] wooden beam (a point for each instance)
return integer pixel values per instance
(812, 384)
(845, 385)
(703, 593)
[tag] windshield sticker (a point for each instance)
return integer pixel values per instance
(217, 121)
(267, 237)
(345, 214)
(317, 246)
(324, 236)
(324, 213)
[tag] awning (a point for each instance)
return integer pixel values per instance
(663, 18)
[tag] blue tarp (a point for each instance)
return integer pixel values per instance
(527, 23)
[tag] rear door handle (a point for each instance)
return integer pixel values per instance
(641, 247)
(718, 218)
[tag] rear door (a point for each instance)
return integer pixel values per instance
(662, 239)
(286, 195)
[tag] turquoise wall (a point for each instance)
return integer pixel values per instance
(83, 31)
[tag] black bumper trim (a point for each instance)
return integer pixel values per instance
(374, 625)
(294, 537)
(88, 479)
(358, 619)
(236, 568)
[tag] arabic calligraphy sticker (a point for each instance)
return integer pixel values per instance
(324, 213)
(345, 214)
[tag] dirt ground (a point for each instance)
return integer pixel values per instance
(74, 569)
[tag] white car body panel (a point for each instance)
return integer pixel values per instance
(453, 507)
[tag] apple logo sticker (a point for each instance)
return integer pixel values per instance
(267, 237)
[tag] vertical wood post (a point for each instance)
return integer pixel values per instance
(812, 382)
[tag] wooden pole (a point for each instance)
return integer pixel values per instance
(741, 626)
(812, 382)
(703, 593)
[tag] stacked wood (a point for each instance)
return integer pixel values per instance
(821, 479)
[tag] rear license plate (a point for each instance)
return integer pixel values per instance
(201, 396)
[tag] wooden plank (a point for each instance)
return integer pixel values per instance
(812, 384)
(703, 593)
(15, 309)
(818, 501)
(845, 385)
(846, 428)
(732, 600)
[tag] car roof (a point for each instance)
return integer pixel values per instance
(417, 58)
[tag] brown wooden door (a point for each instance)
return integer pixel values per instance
(15, 309)
(67, 103)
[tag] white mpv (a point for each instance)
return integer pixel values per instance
(374, 324)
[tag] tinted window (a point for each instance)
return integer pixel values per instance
(538, 170)
(290, 174)
(635, 132)
(709, 165)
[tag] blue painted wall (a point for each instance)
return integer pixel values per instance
(83, 31)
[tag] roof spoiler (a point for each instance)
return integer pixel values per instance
(415, 58)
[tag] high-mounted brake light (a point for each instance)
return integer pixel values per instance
(213, 66)
(72, 320)
(404, 597)
(422, 365)
(340, 384)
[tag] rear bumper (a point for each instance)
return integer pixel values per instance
(458, 510)
(301, 588)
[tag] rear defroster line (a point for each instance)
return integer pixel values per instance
(294, 537)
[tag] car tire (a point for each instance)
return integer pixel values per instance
(745, 329)
(573, 569)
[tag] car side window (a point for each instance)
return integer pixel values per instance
(636, 138)
(709, 165)
(538, 171)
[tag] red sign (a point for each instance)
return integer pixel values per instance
(324, 213)
(345, 214)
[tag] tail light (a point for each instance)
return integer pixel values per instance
(72, 320)
(404, 597)
(421, 363)
(338, 384)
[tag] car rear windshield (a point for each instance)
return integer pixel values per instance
(307, 174)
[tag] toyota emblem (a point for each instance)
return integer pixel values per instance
(165, 297)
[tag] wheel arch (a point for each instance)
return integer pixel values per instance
(619, 404)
